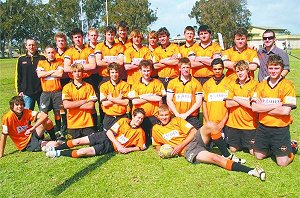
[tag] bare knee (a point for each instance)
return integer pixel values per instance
(90, 151)
(233, 149)
(259, 155)
(283, 161)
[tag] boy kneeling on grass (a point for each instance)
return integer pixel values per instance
(15, 124)
(124, 137)
(194, 144)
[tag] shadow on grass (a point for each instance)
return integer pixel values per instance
(79, 175)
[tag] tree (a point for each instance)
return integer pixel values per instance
(222, 16)
(136, 13)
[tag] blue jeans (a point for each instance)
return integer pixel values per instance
(29, 101)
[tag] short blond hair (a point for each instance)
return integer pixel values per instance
(77, 66)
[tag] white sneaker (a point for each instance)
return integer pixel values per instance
(258, 172)
(48, 148)
(236, 159)
(53, 154)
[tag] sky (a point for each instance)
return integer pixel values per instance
(173, 14)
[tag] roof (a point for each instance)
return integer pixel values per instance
(265, 28)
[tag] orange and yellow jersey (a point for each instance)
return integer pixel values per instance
(214, 94)
(187, 51)
(107, 88)
(241, 117)
(154, 71)
(128, 136)
(132, 55)
(185, 94)
(77, 55)
(172, 133)
(79, 118)
(154, 87)
(232, 54)
(125, 45)
(50, 83)
(16, 128)
(209, 51)
(283, 92)
(60, 57)
(94, 71)
(108, 53)
(169, 71)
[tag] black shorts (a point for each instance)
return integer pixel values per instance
(240, 138)
(193, 120)
(34, 143)
(109, 121)
(202, 80)
(276, 140)
(101, 143)
(195, 147)
(51, 100)
(147, 125)
(77, 133)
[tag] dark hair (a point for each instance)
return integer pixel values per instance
(162, 31)
(189, 28)
(204, 28)
(122, 24)
(269, 31)
(113, 65)
(110, 29)
(138, 110)
(240, 32)
(184, 60)
(16, 100)
(275, 59)
(76, 31)
(217, 61)
(146, 63)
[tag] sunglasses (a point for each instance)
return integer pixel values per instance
(269, 38)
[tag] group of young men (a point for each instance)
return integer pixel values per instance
(165, 86)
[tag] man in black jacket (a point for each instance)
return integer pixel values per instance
(26, 81)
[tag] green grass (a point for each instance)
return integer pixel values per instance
(139, 174)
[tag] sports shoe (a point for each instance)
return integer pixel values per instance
(258, 172)
(53, 154)
(48, 148)
(236, 159)
(294, 145)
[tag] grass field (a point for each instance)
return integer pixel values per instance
(139, 174)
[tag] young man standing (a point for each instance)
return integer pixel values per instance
(113, 97)
(107, 52)
(184, 94)
(204, 55)
(122, 29)
(124, 136)
(215, 91)
(147, 93)
(26, 137)
(83, 55)
(166, 57)
(27, 83)
(193, 144)
(269, 49)
(242, 121)
(240, 51)
(50, 71)
(190, 45)
(79, 99)
(273, 100)
(133, 55)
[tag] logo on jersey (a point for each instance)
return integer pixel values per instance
(217, 97)
(170, 135)
(21, 129)
(122, 139)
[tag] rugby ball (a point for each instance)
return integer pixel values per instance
(165, 151)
